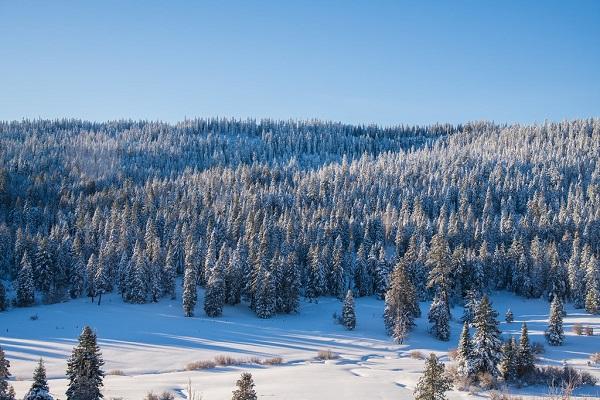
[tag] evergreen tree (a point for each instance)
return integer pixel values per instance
(25, 284)
(265, 295)
(214, 295)
(509, 317)
(486, 341)
(554, 332)
(84, 368)
(401, 306)
(190, 292)
(3, 300)
(508, 363)
(524, 357)
(245, 388)
(101, 281)
(440, 264)
(168, 274)
(39, 389)
(472, 299)
(348, 315)
(381, 275)
(439, 317)
(464, 353)
(592, 296)
(138, 276)
(434, 383)
(337, 286)
(6, 391)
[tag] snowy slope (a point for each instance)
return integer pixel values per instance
(152, 343)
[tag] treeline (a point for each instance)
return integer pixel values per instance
(270, 211)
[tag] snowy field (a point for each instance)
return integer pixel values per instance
(152, 343)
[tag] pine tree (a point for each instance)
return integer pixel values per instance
(592, 296)
(337, 275)
(245, 388)
(101, 281)
(508, 366)
(39, 389)
(486, 341)
(524, 357)
(137, 279)
(6, 391)
(190, 292)
(439, 317)
(472, 299)
(509, 317)
(401, 306)
(554, 332)
(265, 295)
(214, 295)
(168, 274)
(84, 368)
(3, 301)
(464, 353)
(25, 284)
(381, 275)
(592, 300)
(348, 314)
(434, 383)
(440, 264)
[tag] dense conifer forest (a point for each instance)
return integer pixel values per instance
(268, 212)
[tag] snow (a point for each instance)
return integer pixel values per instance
(152, 343)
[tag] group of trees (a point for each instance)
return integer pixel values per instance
(84, 371)
(85, 374)
(266, 212)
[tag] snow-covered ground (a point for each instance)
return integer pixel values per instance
(152, 343)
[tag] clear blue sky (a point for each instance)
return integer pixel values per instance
(386, 62)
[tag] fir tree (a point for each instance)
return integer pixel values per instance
(265, 295)
(190, 293)
(509, 317)
(25, 284)
(401, 306)
(439, 317)
(554, 332)
(39, 389)
(472, 299)
(101, 281)
(508, 365)
(3, 301)
(486, 341)
(6, 391)
(434, 383)
(592, 300)
(524, 357)
(245, 388)
(214, 295)
(84, 368)
(592, 296)
(348, 315)
(464, 353)
(168, 274)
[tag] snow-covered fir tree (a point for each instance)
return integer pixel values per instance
(84, 369)
(25, 284)
(464, 353)
(401, 306)
(190, 291)
(554, 332)
(524, 360)
(3, 299)
(486, 340)
(509, 316)
(434, 383)
(508, 362)
(439, 316)
(245, 388)
(348, 314)
(7, 392)
(39, 389)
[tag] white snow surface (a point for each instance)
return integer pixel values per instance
(152, 343)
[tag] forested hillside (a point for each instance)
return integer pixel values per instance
(271, 211)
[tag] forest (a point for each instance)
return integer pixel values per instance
(269, 211)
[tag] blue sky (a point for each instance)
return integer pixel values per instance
(384, 62)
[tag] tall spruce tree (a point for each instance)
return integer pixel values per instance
(214, 295)
(25, 284)
(3, 300)
(508, 362)
(401, 306)
(554, 332)
(439, 316)
(434, 383)
(486, 341)
(39, 389)
(464, 353)
(348, 314)
(524, 357)
(245, 388)
(6, 391)
(84, 368)
(190, 292)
